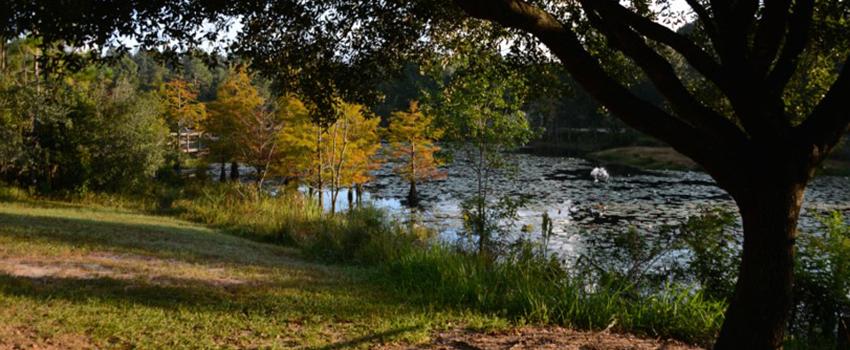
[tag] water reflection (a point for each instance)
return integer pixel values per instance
(564, 188)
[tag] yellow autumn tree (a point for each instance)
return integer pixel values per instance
(298, 141)
(335, 157)
(350, 147)
(412, 144)
(182, 110)
(243, 129)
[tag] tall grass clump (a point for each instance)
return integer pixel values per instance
(529, 288)
(244, 210)
(13, 194)
(362, 235)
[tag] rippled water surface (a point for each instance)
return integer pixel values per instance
(564, 188)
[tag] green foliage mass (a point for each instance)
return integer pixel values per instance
(87, 131)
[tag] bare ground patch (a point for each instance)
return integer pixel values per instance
(121, 267)
(541, 338)
(25, 338)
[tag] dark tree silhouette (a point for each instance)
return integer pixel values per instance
(760, 156)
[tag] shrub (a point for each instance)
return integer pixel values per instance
(822, 285)
(715, 249)
(104, 136)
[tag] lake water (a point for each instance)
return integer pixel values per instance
(564, 188)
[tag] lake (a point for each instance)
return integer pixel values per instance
(564, 188)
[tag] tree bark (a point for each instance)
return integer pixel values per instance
(2, 56)
(334, 194)
(760, 308)
(234, 171)
(412, 195)
(359, 189)
(222, 172)
(350, 197)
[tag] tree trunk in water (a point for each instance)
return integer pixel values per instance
(758, 313)
(222, 172)
(321, 193)
(359, 189)
(234, 171)
(350, 197)
(412, 195)
(334, 195)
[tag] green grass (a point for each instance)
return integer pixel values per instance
(205, 268)
(90, 276)
(528, 288)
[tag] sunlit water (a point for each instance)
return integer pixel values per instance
(564, 188)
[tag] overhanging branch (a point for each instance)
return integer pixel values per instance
(769, 34)
(795, 43)
(695, 55)
(660, 72)
(713, 154)
(830, 118)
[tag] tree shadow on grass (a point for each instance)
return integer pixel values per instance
(113, 291)
(298, 292)
(329, 305)
(189, 242)
(303, 298)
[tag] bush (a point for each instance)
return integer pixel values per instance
(105, 136)
(715, 249)
(822, 286)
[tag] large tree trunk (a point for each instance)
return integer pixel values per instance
(759, 310)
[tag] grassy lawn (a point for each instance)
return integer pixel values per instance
(84, 277)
